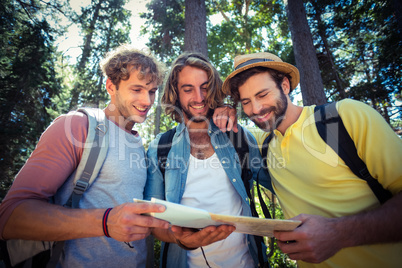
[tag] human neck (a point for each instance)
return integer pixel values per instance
(196, 126)
(113, 115)
(200, 141)
(291, 116)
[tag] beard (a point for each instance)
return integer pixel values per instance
(197, 118)
(279, 111)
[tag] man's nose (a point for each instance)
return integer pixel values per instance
(256, 105)
(200, 95)
(146, 99)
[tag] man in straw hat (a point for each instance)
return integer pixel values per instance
(202, 171)
(343, 223)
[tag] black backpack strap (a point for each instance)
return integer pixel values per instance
(164, 145)
(332, 130)
(240, 143)
(264, 150)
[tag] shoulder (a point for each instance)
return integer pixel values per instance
(345, 104)
(73, 119)
(72, 126)
(352, 111)
(258, 134)
(155, 143)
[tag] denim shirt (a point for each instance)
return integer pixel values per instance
(172, 188)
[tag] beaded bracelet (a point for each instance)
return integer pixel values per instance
(104, 222)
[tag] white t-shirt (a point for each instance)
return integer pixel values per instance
(208, 187)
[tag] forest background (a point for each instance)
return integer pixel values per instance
(343, 49)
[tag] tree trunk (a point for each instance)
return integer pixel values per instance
(330, 57)
(86, 52)
(158, 112)
(398, 15)
(306, 59)
(195, 36)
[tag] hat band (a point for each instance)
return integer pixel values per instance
(251, 62)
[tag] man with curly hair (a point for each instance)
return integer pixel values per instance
(202, 170)
(132, 81)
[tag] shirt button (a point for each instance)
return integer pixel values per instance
(167, 164)
(216, 147)
(223, 162)
(234, 180)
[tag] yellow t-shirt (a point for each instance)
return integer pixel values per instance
(309, 177)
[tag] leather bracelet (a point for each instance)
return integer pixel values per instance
(183, 246)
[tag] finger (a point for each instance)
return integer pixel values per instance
(140, 208)
(222, 122)
(210, 235)
(288, 246)
(286, 236)
(229, 125)
(151, 222)
(235, 128)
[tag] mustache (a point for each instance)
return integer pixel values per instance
(194, 103)
(264, 111)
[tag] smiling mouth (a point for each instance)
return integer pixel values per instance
(263, 117)
(199, 107)
(141, 109)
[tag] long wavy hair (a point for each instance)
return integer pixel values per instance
(170, 98)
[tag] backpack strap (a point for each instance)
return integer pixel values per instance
(240, 143)
(332, 130)
(93, 156)
(264, 150)
(164, 146)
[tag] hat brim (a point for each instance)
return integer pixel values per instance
(284, 67)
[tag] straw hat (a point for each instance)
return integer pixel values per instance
(264, 59)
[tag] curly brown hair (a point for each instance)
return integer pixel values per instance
(118, 64)
(170, 98)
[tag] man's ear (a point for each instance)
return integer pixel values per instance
(286, 86)
(110, 87)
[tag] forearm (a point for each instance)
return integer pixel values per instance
(381, 225)
(37, 220)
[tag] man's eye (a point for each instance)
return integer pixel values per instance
(263, 95)
(245, 102)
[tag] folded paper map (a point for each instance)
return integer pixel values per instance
(184, 216)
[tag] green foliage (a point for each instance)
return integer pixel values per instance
(28, 82)
(105, 26)
(37, 83)
(165, 24)
(247, 27)
(146, 129)
(275, 256)
(365, 47)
